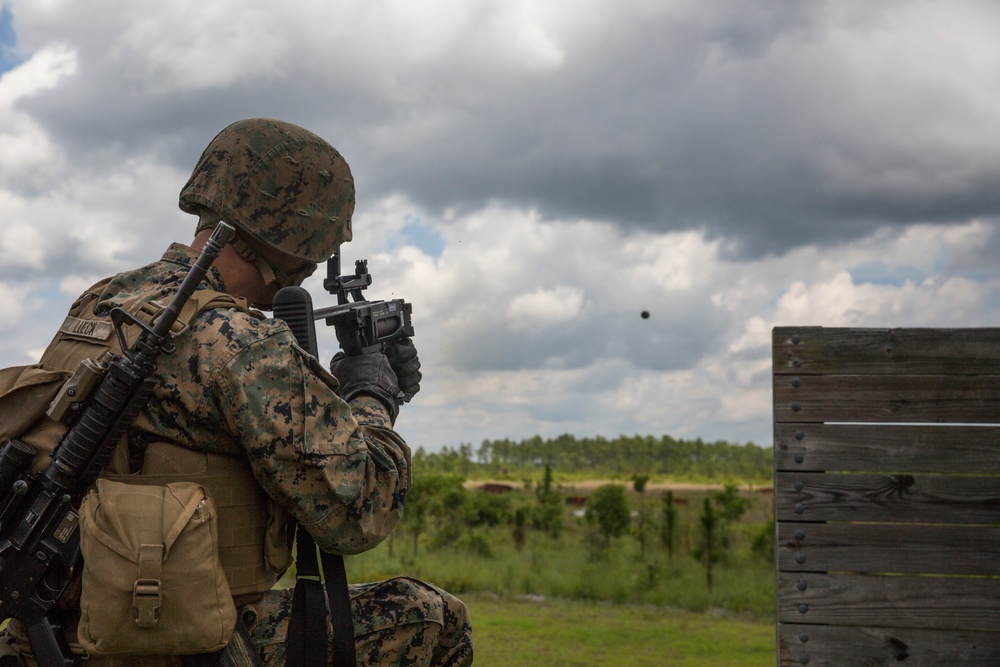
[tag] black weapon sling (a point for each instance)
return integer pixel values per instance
(307, 632)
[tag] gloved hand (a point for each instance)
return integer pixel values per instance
(368, 375)
(402, 356)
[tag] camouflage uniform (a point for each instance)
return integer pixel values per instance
(239, 385)
(396, 622)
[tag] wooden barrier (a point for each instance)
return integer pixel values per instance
(887, 496)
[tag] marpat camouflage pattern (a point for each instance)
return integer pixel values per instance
(238, 384)
(281, 183)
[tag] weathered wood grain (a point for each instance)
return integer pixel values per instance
(879, 647)
(888, 548)
(811, 350)
(944, 603)
(945, 499)
(887, 495)
(887, 448)
(888, 398)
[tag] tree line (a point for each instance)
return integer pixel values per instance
(663, 455)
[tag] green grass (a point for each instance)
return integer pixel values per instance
(560, 601)
(486, 560)
(550, 633)
(564, 569)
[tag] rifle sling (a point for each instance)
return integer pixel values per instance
(307, 631)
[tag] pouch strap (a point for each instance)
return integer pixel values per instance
(146, 594)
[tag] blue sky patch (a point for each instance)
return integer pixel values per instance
(51, 292)
(878, 273)
(416, 232)
(8, 40)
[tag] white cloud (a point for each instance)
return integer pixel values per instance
(544, 307)
(27, 155)
(21, 246)
(755, 336)
(44, 70)
(11, 306)
(673, 261)
(164, 50)
(73, 286)
(839, 302)
(573, 163)
(572, 291)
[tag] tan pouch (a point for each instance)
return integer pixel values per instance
(152, 581)
(25, 394)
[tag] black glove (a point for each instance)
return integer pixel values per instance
(402, 356)
(367, 375)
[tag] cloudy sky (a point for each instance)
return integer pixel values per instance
(532, 175)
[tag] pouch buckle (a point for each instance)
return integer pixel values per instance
(146, 594)
(146, 600)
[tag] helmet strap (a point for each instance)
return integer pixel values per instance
(250, 255)
(267, 271)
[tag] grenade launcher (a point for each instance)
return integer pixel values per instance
(361, 326)
(39, 512)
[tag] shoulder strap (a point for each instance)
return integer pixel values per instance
(199, 302)
(206, 299)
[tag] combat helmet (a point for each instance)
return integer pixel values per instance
(277, 182)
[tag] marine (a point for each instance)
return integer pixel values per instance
(272, 436)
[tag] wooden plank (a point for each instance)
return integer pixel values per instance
(897, 548)
(874, 401)
(887, 398)
(811, 350)
(838, 645)
(887, 448)
(946, 499)
(956, 603)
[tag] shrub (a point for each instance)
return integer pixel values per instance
(608, 511)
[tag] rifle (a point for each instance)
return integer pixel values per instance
(362, 327)
(39, 512)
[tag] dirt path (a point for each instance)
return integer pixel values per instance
(652, 487)
(587, 486)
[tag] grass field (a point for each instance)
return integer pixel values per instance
(531, 632)
(556, 600)
(485, 559)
